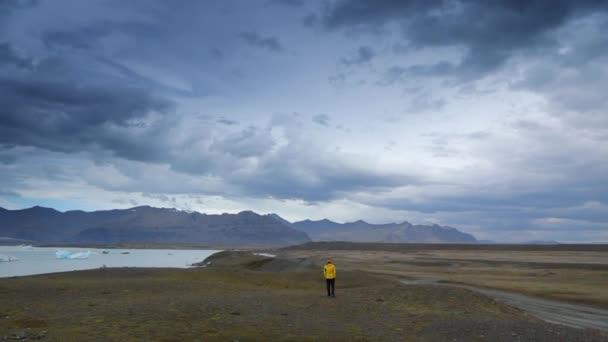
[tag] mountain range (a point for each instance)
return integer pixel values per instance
(361, 231)
(146, 224)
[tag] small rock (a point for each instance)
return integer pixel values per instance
(21, 335)
(235, 313)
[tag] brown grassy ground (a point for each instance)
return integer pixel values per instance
(246, 298)
(573, 276)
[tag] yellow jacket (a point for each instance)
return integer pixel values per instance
(329, 271)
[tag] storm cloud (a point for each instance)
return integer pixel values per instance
(50, 107)
(488, 116)
(491, 32)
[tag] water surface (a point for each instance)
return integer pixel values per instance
(39, 260)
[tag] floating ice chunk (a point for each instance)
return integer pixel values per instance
(81, 255)
(63, 254)
(28, 247)
(7, 258)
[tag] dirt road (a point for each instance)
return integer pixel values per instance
(577, 316)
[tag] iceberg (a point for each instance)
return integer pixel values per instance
(7, 258)
(81, 255)
(63, 254)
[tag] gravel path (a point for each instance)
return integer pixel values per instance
(577, 316)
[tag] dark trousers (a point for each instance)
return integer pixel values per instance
(331, 286)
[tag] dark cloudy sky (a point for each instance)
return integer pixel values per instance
(489, 116)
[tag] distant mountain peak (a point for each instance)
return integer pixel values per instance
(248, 213)
(279, 218)
(38, 208)
(359, 222)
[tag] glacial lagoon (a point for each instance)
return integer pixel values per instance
(41, 260)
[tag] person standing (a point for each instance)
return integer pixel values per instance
(329, 271)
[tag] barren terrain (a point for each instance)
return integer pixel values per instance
(244, 297)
